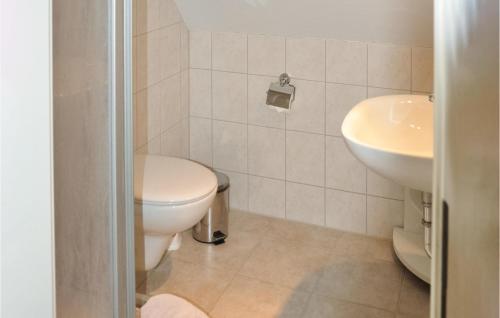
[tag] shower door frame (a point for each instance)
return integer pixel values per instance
(121, 134)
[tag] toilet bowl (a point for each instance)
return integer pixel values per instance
(171, 195)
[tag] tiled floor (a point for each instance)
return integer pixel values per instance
(277, 268)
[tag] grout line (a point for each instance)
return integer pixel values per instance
(212, 150)
(366, 200)
(247, 168)
(307, 184)
(157, 29)
(157, 82)
(366, 171)
(310, 80)
(324, 147)
(411, 69)
(400, 291)
(286, 138)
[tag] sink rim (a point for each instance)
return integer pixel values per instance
(347, 134)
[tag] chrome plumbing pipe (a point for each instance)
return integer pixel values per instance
(427, 221)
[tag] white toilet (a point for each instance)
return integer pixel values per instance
(171, 195)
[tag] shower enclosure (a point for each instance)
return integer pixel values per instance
(92, 112)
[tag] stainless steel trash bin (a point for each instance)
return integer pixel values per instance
(213, 228)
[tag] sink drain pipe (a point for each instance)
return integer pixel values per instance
(427, 221)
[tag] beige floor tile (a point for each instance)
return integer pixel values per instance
(409, 316)
(197, 283)
(255, 224)
(228, 256)
(250, 298)
(269, 268)
(364, 281)
(360, 246)
(320, 306)
(286, 263)
(305, 234)
(415, 296)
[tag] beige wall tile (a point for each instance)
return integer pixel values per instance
(229, 52)
(346, 211)
(230, 146)
(266, 196)
(185, 93)
(153, 146)
(308, 110)
(200, 140)
(340, 99)
(238, 191)
(140, 125)
(389, 66)
(305, 155)
(376, 91)
(148, 59)
(200, 96)
(319, 108)
(343, 170)
(422, 70)
(170, 102)
(305, 203)
(134, 17)
(148, 112)
(134, 65)
(266, 152)
(383, 187)
(305, 58)
(170, 48)
(148, 15)
(383, 215)
(200, 46)
(346, 62)
(229, 96)
(258, 112)
(168, 13)
(175, 141)
(266, 55)
(184, 47)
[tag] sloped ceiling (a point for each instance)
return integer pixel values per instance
(406, 22)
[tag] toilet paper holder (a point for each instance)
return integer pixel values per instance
(281, 94)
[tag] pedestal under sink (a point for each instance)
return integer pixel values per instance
(393, 136)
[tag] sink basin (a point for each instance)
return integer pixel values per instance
(393, 135)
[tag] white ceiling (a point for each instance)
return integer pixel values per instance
(406, 22)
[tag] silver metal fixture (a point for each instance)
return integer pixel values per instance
(213, 228)
(427, 221)
(281, 94)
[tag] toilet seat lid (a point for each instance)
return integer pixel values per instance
(161, 180)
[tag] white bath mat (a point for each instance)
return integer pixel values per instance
(170, 306)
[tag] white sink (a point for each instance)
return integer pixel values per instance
(393, 135)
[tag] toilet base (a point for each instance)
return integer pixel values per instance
(176, 242)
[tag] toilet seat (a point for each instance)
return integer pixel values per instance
(160, 180)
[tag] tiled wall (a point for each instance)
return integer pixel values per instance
(161, 79)
(296, 165)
